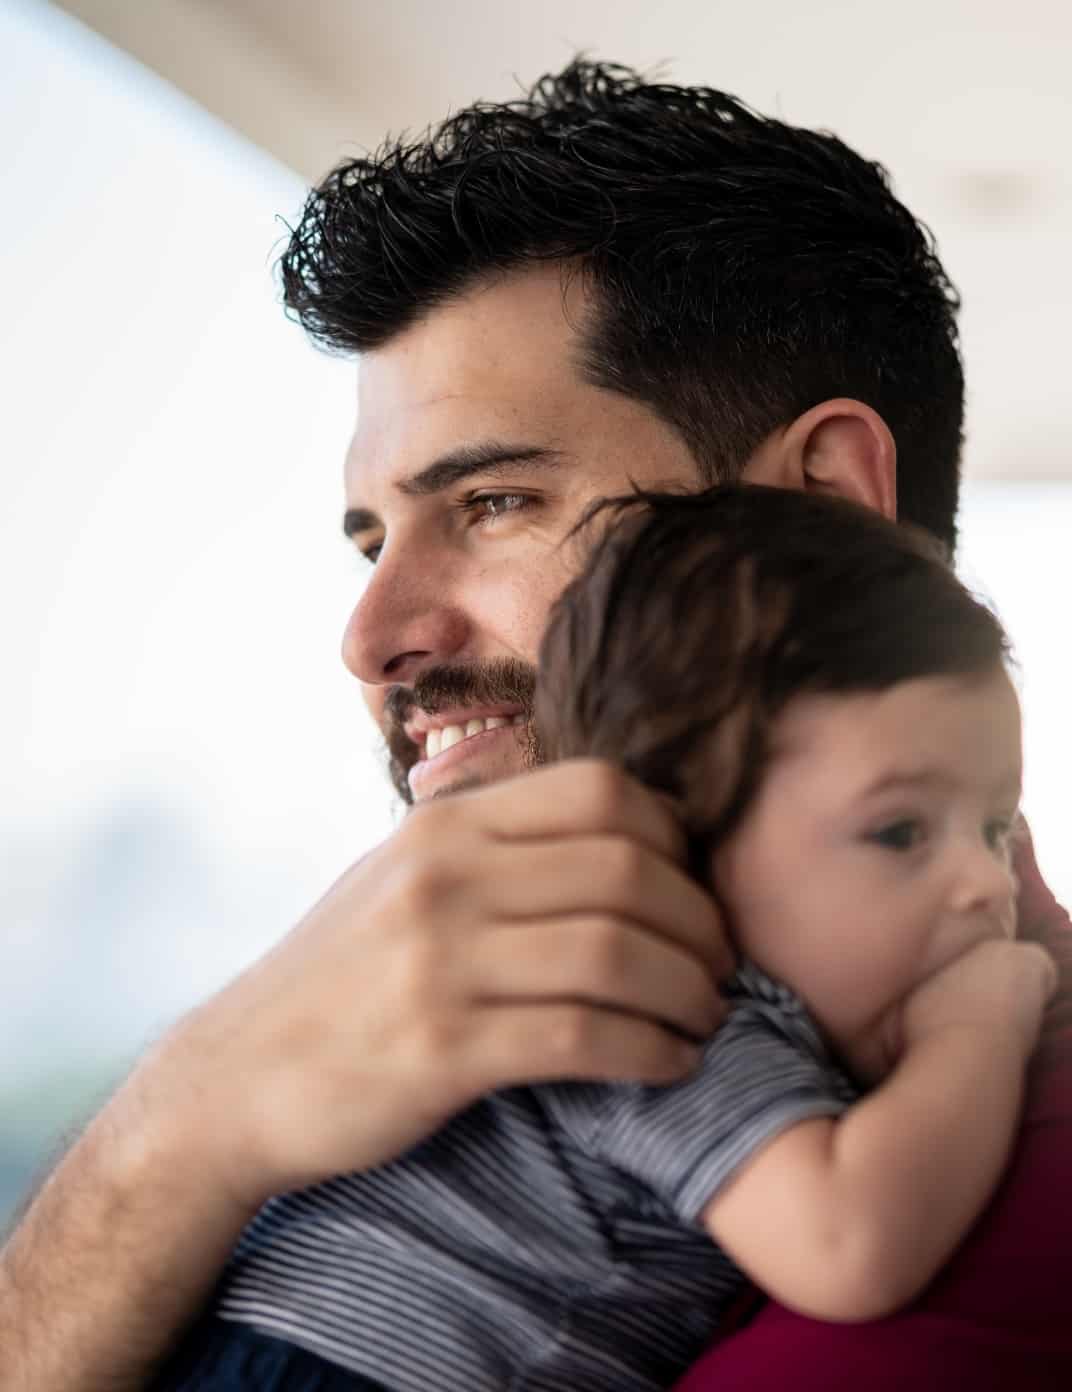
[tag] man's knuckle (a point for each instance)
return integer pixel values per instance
(571, 1035)
(423, 888)
(626, 864)
(601, 788)
(709, 1008)
(438, 1036)
(605, 950)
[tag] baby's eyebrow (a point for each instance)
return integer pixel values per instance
(1006, 785)
(896, 780)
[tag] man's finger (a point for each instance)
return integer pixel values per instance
(603, 961)
(581, 796)
(609, 875)
(526, 1044)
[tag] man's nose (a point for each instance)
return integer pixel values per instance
(406, 620)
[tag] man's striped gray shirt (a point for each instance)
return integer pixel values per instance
(547, 1238)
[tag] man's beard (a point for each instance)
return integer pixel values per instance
(499, 681)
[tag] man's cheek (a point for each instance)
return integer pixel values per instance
(530, 620)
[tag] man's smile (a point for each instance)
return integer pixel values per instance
(449, 714)
(436, 734)
(447, 740)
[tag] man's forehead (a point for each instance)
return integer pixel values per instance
(496, 364)
(394, 441)
(499, 367)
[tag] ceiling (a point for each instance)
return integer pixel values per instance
(967, 102)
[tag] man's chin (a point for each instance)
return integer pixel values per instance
(461, 785)
(459, 782)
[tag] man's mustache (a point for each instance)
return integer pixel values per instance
(498, 681)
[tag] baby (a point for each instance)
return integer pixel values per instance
(843, 743)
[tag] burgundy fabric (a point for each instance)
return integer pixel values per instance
(999, 1316)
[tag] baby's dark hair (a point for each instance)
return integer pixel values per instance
(699, 616)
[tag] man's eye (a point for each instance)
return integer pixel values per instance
(904, 835)
(489, 506)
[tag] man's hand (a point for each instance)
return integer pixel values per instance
(538, 929)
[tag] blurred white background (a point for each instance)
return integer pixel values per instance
(185, 764)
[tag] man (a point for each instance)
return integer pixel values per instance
(608, 283)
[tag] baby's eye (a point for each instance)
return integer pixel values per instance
(903, 835)
(372, 553)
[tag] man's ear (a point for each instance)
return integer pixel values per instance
(841, 447)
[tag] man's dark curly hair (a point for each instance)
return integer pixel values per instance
(742, 270)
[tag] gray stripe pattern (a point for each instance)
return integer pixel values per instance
(548, 1237)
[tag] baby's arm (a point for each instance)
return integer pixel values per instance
(848, 1219)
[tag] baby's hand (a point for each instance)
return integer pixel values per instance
(996, 986)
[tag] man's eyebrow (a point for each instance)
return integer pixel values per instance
(493, 457)
(489, 457)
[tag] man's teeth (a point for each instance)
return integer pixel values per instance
(437, 740)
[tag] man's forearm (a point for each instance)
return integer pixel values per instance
(114, 1256)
